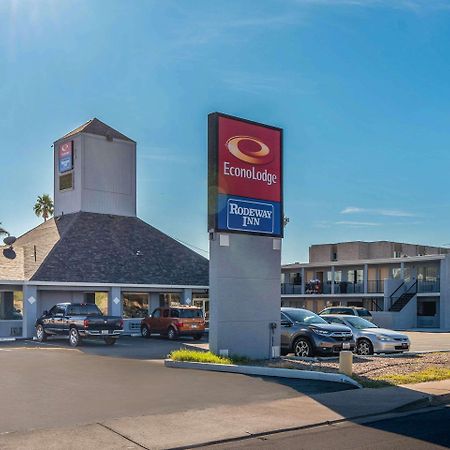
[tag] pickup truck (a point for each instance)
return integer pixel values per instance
(77, 321)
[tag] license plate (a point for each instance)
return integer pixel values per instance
(194, 326)
(345, 345)
(105, 331)
(405, 345)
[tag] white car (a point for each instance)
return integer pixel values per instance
(369, 337)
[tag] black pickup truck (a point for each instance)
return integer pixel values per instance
(77, 321)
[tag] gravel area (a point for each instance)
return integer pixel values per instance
(370, 367)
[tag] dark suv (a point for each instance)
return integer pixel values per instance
(306, 334)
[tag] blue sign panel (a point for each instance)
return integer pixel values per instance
(65, 164)
(249, 215)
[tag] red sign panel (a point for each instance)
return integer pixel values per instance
(65, 150)
(249, 159)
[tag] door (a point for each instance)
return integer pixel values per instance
(155, 320)
(428, 312)
(286, 325)
(58, 320)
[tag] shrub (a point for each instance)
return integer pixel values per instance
(196, 356)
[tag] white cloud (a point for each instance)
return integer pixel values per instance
(410, 5)
(357, 224)
(377, 212)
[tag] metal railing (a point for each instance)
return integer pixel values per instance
(429, 286)
(346, 287)
(375, 286)
(290, 288)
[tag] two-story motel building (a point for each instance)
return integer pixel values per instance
(405, 286)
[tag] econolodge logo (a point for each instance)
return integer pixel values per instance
(249, 149)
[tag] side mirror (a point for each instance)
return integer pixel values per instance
(45, 313)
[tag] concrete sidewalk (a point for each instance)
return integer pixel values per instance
(195, 427)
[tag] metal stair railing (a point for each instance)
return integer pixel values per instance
(403, 299)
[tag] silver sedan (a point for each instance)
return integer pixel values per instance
(369, 338)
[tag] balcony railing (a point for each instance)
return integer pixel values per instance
(375, 286)
(290, 288)
(428, 286)
(347, 287)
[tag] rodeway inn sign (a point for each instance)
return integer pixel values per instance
(244, 176)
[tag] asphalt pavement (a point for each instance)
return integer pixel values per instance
(418, 431)
(53, 385)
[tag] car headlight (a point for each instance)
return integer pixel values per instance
(321, 332)
(385, 339)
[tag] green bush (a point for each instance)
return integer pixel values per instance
(196, 356)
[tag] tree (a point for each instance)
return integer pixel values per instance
(44, 206)
(2, 230)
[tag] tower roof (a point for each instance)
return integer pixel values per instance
(95, 126)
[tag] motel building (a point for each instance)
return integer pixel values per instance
(95, 249)
(405, 286)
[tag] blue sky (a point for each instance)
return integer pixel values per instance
(361, 88)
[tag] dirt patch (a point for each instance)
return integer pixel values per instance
(370, 368)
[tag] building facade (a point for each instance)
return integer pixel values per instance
(405, 286)
(95, 249)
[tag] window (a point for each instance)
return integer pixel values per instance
(135, 305)
(168, 299)
(83, 310)
(335, 320)
(98, 298)
(156, 313)
(66, 181)
(57, 310)
(11, 305)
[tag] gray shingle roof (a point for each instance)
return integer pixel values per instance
(102, 248)
(95, 126)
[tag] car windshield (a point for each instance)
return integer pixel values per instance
(304, 316)
(359, 323)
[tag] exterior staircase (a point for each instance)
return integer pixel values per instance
(400, 301)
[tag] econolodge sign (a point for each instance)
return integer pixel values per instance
(65, 156)
(244, 176)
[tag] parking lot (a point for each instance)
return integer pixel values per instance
(54, 385)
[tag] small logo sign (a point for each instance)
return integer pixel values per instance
(249, 150)
(31, 300)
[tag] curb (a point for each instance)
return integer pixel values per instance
(265, 371)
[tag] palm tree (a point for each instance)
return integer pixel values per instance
(44, 206)
(2, 230)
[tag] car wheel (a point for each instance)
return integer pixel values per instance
(197, 337)
(364, 347)
(41, 334)
(172, 333)
(145, 331)
(302, 347)
(74, 337)
(110, 340)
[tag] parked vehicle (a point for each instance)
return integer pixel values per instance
(369, 338)
(306, 334)
(78, 321)
(348, 311)
(174, 321)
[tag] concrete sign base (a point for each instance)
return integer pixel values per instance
(244, 295)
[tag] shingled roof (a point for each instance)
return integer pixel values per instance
(100, 248)
(95, 126)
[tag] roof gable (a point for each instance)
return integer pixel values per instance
(95, 126)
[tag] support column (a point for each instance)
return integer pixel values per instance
(186, 297)
(115, 302)
(333, 278)
(402, 270)
(365, 278)
(153, 302)
(303, 281)
(30, 300)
